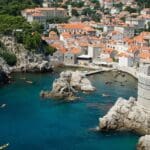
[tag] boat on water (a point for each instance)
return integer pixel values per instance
(105, 95)
(3, 147)
(3, 105)
(30, 82)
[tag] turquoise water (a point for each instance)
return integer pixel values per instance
(31, 123)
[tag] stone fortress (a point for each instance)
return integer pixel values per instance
(132, 114)
(144, 86)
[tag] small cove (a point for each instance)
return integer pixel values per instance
(29, 122)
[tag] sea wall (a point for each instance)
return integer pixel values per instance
(130, 70)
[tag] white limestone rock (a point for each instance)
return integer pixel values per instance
(126, 115)
(144, 143)
(26, 61)
(4, 71)
(4, 67)
(68, 84)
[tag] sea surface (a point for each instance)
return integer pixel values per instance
(28, 122)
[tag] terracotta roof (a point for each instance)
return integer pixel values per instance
(123, 55)
(145, 55)
(75, 50)
(59, 47)
(37, 14)
(66, 35)
(133, 48)
(108, 50)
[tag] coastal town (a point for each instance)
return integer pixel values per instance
(42, 37)
(119, 38)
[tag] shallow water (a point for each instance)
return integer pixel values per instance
(28, 122)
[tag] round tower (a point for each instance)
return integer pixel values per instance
(144, 86)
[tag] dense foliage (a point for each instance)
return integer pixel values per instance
(58, 20)
(90, 13)
(10, 58)
(75, 4)
(12, 23)
(14, 7)
(47, 49)
(143, 3)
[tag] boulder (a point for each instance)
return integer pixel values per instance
(126, 115)
(67, 85)
(144, 143)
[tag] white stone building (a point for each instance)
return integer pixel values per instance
(41, 14)
(125, 61)
(125, 30)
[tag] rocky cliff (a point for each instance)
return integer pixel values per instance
(126, 115)
(4, 71)
(26, 61)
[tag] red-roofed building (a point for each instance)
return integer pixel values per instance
(41, 14)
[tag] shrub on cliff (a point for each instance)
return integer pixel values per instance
(10, 58)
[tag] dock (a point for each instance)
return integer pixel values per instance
(98, 71)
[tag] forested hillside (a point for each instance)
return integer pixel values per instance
(13, 7)
(13, 24)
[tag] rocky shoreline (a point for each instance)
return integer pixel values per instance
(4, 79)
(27, 61)
(144, 143)
(4, 72)
(132, 114)
(67, 85)
(126, 115)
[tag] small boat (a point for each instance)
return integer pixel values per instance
(105, 95)
(3, 105)
(4, 146)
(30, 82)
(94, 129)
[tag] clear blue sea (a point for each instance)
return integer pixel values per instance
(31, 123)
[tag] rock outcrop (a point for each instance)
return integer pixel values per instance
(30, 62)
(67, 85)
(4, 71)
(144, 143)
(26, 61)
(126, 115)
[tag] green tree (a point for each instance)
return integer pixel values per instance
(75, 13)
(37, 27)
(130, 9)
(10, 58)
(32, 41)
